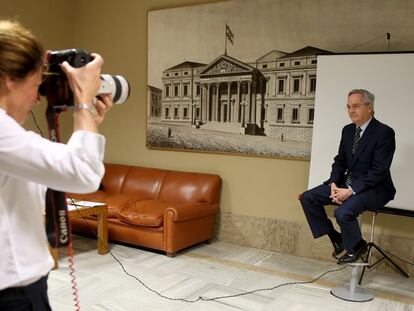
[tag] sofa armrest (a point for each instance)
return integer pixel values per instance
(189, 211)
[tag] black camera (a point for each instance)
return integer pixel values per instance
(55, 86)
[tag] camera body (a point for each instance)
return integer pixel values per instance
(75, 57)
(55, 86)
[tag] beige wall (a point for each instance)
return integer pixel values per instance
(252, 186)
(51, 21)
(260, 187)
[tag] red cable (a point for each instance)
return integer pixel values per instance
(72, 271)
(52, 117)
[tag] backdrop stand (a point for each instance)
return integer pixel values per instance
(372, 245)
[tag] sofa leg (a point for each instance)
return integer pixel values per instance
(171, 255)
(208, 241)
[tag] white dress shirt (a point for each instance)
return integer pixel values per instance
(29, 164)
(364, 127)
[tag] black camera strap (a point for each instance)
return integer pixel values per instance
(57, 227)
(57, 222)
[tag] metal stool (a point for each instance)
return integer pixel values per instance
(353, 292)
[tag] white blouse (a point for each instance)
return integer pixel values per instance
(29, 164)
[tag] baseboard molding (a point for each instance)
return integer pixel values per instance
(296, 239)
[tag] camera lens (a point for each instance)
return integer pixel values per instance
(115, 85)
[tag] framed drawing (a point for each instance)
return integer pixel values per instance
(240, 76)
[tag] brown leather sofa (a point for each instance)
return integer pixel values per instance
(155, 208)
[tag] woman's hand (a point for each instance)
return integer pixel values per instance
(90, 109)
(102, 106)
(84, 81)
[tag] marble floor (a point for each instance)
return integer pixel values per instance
(215, 270)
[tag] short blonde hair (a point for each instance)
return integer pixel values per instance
(20, 52)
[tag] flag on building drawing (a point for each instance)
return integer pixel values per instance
(229, 34)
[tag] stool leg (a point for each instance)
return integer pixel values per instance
(371, 241)
(368, 260)
(352, 282)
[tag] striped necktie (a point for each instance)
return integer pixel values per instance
(356, 139)
(354, 146)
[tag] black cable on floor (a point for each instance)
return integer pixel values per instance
(201, 298)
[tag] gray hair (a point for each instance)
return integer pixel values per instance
(369, 98)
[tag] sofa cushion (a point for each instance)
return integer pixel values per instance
(143, 181)
(114, 201)
(187, 187)
(148, 213)
(114, 177)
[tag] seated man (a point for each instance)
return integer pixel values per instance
(360, 179)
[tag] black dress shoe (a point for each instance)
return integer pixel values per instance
(354, 255)
(338, 248)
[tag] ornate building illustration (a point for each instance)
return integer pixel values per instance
(181, 92)
(273, 96)
(154, 96)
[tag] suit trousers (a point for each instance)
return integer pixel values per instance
(313, 202)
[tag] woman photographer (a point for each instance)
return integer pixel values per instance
(29, 163)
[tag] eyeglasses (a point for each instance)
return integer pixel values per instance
(355, 106)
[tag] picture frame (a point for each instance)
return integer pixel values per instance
(220, 81)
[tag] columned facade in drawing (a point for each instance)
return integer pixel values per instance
(231, 92)
(273, 96)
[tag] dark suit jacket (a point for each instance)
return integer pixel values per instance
(369, 167)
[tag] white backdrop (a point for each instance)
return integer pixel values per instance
(390, 77)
